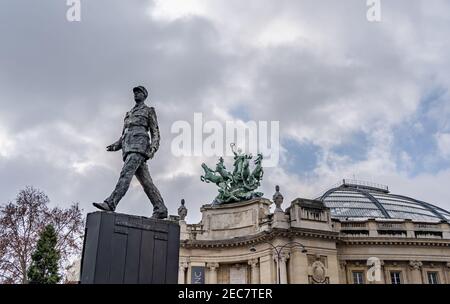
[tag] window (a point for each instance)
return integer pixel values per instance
(358, 277)
(433, 278)
(396, 277)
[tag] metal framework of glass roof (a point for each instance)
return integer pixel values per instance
(356, 199)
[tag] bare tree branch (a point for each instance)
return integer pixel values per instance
(22, 221)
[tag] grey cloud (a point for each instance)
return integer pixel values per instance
(61, 70)
(57, 74)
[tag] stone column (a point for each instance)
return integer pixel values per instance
(382, 276)
(447, 273)
(255, 271)
(416, 273)
(332, 269)
(343, 277)
(213, 272)
(298, 266)
(284, 256)
(266, 267)
(181, 272)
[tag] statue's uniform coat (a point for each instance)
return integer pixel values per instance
(137, 123)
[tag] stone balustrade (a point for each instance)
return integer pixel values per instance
(389, 229)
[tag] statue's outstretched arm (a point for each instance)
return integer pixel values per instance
(117, 145)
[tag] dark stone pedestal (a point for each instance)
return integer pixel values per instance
(127, 249)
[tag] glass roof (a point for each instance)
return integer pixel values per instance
(354, 199)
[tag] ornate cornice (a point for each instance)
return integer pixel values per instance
(310, 233)
(403, 241)
(235, 205)
(259, 237)
(314, 233)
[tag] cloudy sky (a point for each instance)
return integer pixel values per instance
(354, 98)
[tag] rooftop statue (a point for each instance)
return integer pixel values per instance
(182, 210)
(240, 185)
(278, 199)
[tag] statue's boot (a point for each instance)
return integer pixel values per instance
(159, 212)
(105, 206)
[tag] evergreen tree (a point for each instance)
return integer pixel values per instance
(45, 259)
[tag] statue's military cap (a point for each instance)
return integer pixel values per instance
(142, 89)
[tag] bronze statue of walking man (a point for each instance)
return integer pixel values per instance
(136, 150)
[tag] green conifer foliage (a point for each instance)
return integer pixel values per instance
(45, 259)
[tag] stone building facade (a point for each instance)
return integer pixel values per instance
(308, 243)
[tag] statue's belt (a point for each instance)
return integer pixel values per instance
(136, 129)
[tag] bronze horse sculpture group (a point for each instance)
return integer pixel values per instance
(239, 185)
